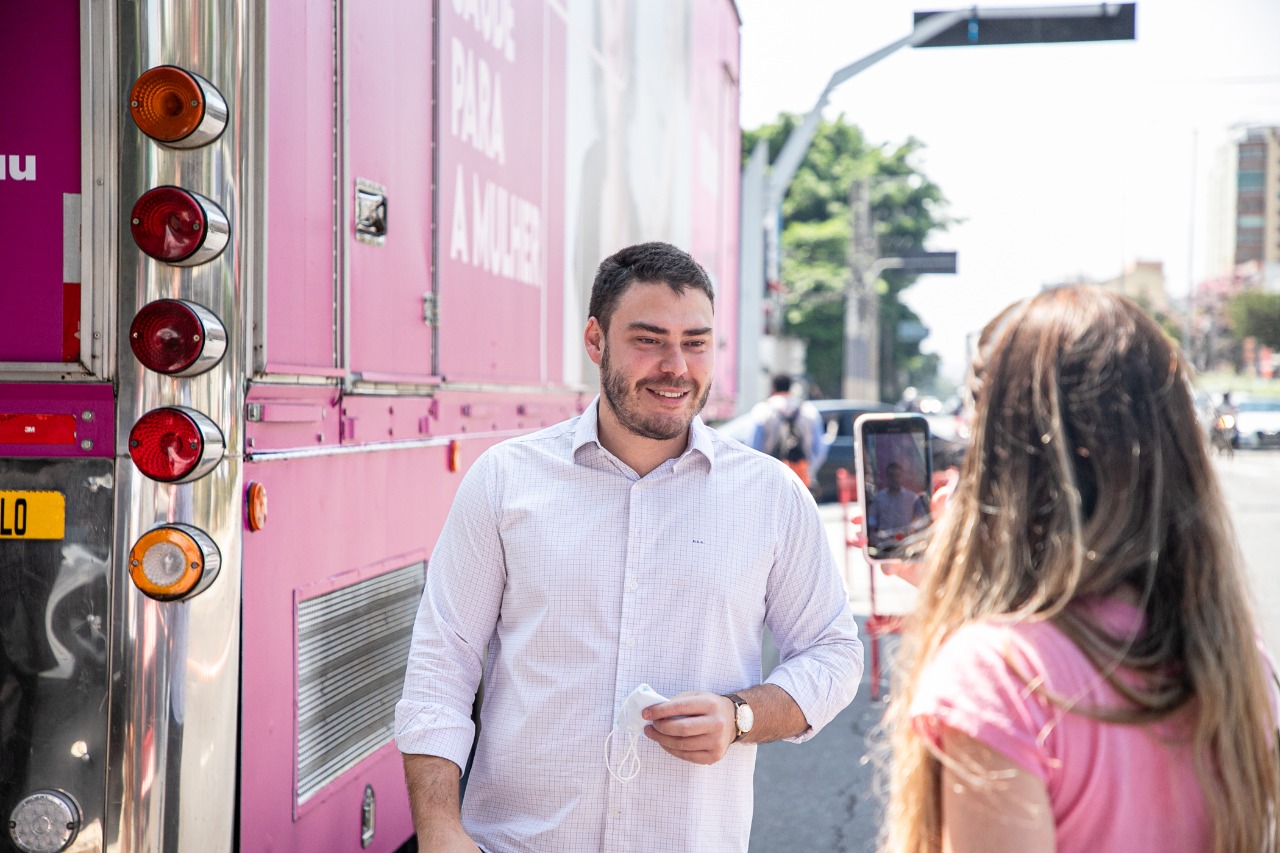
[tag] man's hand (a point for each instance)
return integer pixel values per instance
(695, 726)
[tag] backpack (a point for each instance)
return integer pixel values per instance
(788, 446)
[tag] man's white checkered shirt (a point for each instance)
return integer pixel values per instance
(582, 580)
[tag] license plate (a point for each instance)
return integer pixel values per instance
(32, 515)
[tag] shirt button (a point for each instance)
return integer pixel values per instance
(630, 641)
(633, 586)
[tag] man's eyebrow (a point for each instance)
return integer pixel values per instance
(641, 326)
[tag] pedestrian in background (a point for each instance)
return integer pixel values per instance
(1083, 672)
(629, 546)
(790, 429)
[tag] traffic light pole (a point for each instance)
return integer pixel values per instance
(784, 168)
(1009, 25)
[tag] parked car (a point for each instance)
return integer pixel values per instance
(949, 437)
(838, 416)
(1257, 422)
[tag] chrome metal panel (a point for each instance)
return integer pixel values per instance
(175, 695)
(54, 616)
(100, 154)
(353, 645)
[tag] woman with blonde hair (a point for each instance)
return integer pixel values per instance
(1083, 673)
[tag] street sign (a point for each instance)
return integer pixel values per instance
(928, 262)
(1101, 22)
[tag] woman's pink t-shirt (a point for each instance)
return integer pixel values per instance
(1111, 786)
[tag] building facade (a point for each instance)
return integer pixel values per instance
(1257, 232)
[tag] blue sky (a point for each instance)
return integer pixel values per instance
(1062, 160)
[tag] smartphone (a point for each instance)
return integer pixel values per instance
(895, 476)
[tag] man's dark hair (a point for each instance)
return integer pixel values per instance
(646, 262)
(782, 384)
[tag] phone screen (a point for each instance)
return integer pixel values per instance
(895, 479)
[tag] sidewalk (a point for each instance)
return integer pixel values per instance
(827, 795)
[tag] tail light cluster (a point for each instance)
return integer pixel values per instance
(180, 110)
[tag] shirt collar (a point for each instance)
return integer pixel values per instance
(588, 432)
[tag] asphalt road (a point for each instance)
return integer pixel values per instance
(826, 795)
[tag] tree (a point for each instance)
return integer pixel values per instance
(1255, 314)
(906, 208)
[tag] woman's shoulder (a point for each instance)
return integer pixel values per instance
(1024, 650)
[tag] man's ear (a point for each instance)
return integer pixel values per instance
(593, 337)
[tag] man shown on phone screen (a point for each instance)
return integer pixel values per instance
(894, 508)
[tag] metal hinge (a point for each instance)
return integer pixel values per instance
(430, 310)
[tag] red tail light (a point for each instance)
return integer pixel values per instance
(177, 337)
(178, 226)
(177, 108)
(175, 444)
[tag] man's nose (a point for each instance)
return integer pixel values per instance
(673, 361)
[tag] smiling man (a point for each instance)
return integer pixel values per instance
(630, 545)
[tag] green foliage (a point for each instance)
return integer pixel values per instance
(1257, 315)
(906, 207)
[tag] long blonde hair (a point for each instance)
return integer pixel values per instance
(1087, 473)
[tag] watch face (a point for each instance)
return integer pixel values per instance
(746, 718)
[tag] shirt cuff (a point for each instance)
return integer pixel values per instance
(423, 729)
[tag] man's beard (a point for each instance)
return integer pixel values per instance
(616, 391)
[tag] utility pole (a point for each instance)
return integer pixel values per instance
(861, 379)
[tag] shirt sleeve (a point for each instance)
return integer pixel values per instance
(807, 611)
(977, 684)
(459, 608)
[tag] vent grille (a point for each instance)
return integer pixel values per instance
(353, 645)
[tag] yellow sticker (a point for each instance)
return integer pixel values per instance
(33, 515)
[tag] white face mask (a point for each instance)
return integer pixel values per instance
(632, 724)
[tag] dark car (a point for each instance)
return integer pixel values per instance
(948, 440)
(838, 416)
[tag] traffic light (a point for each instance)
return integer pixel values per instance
(1106, 22)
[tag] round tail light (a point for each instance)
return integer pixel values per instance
(174, 561)
(44, 821)
(177, 108)
(175, 444)
(177, 337)
(179, 227)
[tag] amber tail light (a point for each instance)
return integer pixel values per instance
(177, 108)
(174, 561)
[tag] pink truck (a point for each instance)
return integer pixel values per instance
(272, 275)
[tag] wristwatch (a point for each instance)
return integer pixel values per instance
(744, 718)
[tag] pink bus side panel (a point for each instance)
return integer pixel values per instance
(300, 276)
(499, 285)
(39, 163)
(316, 529)
(714, 187)
(389, 139)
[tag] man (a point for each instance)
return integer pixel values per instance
(894, 508)
(790, 430)
(629, 545)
